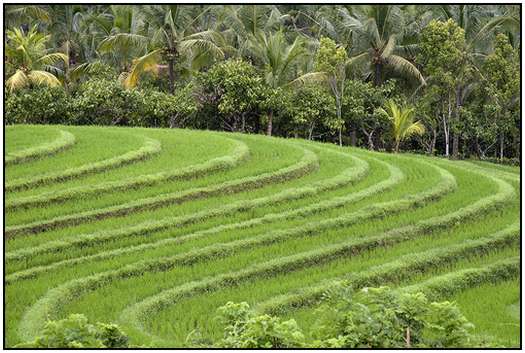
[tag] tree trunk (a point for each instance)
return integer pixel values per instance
(371, 141)
(270, 123)
(501, 146)
(369, 138)
(338, 111)
(377, 74)
(311, 131)
(455, 145)
(455, 137)
(396, 148)
(353, 137)
(171, 72)
(446, 127)
(433, 143)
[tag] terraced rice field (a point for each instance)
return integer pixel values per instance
(154, 229)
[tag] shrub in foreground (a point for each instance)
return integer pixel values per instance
(76, 332)
(370, 318)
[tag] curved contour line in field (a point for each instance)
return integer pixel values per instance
(153, 303)
(307, 164)
(393, 271)
(33, 318)
(64, 141)
(239, 154)
(348, 175)
(149, 148)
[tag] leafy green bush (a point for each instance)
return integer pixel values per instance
(159, 109)
(311, 108)
(41, 105)
(101, 102)
(231, 93)
(136, 107)
(76, 332)
(244, 329)
(370, 318)
(382, 318)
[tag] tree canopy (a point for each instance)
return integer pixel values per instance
(317, 71)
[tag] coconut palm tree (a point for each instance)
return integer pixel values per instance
(277, 58)
(377, 39)
(403, 124)
(28, 61)
(26, 15)
(241, 24)
(168, 33)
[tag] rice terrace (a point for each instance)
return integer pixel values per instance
(146, 211)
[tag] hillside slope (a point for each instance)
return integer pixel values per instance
(153, 229)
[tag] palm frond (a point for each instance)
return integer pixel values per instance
(17, 80)
(201, 45)
(311, 77)
(389, 47)
(146, 63)
(123, 41)
(39, 77)
(510, 21)
(52, 58)
(357, 60)
(416, 128)
(405, 68)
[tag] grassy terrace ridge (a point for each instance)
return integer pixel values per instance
(155, 224)
(149, 148)
(64, 140)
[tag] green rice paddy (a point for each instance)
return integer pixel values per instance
(153, 229)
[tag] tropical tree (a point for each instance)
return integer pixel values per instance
(377, 35)
(360, 108)
(311, 107)
(241, 24)
(25, 16)
(277, 58)
(331, 63)
(29, 62)
(124, 35)
(403, 124)
(502, 83)
(168, 34)
(443, 55)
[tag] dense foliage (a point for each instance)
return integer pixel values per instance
(319, 72)
(76, 332)
(370, 318)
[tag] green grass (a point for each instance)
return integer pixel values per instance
(171, 237)
(27, 136)
(494, 309)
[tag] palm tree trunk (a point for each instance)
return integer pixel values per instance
(377, 74)
(397, 146)
(270, 123)
(171, 72)
(338, 111)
